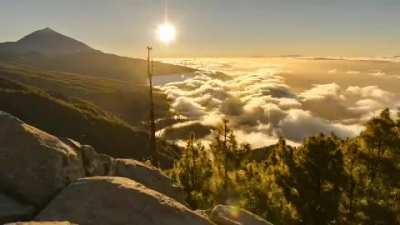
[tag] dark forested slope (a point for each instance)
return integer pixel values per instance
(78, 120)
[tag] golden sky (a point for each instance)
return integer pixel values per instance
(216, 27)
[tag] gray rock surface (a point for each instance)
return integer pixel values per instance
(96, 164)
(12, 210)
(117, 201)
(229, 215)
(149, 176)
(34, 165)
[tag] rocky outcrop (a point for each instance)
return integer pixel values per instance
(12, 210)
(34, 165)
(148, 176)
(229, 215)
(96, 164)
(37, 168)
(117, 201)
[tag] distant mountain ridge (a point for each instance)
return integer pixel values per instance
(47, 49)
(46, 41)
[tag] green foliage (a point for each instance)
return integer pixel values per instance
(316, 174)
(193, 168)
(324, 181)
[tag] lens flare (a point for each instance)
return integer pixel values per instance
(166, 33)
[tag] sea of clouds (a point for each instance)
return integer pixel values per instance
(261, 107)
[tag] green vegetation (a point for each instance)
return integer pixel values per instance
(324, 181)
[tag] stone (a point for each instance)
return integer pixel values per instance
(34, 165)
(117, 201)
(229, 215)
(12, 210)
(97, 164)
(149, 176)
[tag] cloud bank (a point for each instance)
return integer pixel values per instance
(261, 107)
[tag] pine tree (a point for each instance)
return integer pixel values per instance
(315, 177)
(192, 172)
(380, 143)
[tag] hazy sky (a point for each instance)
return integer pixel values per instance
(216, 27)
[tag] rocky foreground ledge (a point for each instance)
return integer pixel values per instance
(58, 181)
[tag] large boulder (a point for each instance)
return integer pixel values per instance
(13, 210)
(97, 164)
(117, 201)
(149, 176)
(229, 215)
(34, 165)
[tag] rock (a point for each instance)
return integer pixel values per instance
(149, 176)
(117, 201)
(12, 210)
(96, 164)
(34, 165)
(229, 215)
(41, 223)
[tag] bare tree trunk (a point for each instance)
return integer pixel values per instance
(153, 147)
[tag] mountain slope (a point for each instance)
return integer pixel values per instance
(48, 42)
(49, 50)
(125, 100)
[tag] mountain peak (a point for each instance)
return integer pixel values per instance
(46, 30)
(50, 42)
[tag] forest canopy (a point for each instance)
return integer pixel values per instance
(326, 180)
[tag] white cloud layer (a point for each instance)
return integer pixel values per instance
(261, 106)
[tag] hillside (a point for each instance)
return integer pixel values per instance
(127, 101)
(78, 120)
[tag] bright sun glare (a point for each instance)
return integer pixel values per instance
(166, 33)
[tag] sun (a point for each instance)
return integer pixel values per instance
(166, 33)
